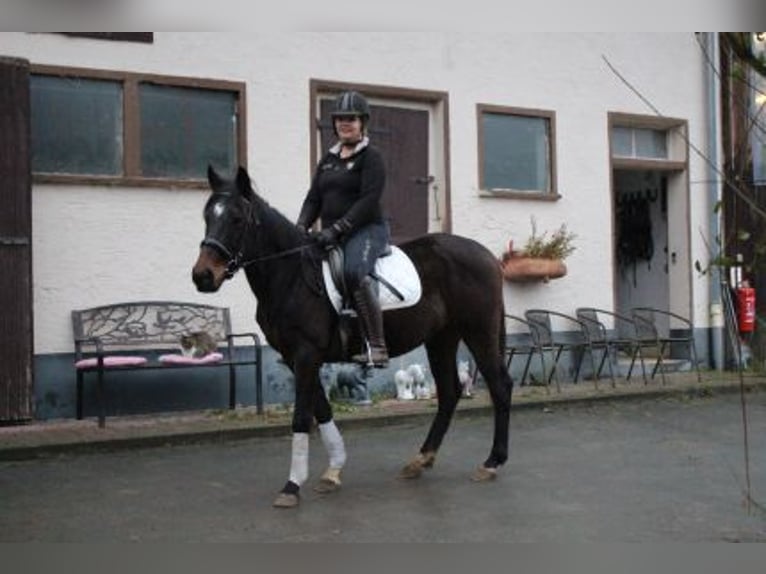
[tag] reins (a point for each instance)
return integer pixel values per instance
(275, 255)
(234, 264)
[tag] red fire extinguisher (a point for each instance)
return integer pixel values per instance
(746, 308)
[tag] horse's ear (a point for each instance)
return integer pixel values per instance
(243, 182)
(213, 178)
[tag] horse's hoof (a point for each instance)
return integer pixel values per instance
(484, 474)
(326, 486)
(285, 500)
(411, 470)
(414, 468)
(428, 459)
(329, 481)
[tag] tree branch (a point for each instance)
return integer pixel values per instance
(743, 195)
(742, 46)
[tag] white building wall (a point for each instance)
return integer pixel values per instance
(95, 245)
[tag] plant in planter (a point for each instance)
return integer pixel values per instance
(542, 257)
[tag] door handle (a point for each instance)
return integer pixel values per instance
(423, 180)
(14, 241)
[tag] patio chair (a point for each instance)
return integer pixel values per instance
(545, 339)
(653, 330)
(519, 348)
(614, 341)
(511, 349)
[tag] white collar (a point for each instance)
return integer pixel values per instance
(335, 150)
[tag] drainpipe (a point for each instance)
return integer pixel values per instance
(714, 196)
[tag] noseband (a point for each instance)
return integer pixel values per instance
(233, 260)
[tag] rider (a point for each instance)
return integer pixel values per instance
(345, 194)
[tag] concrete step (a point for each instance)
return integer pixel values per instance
(668, 366)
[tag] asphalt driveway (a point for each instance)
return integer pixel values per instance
(629, 471)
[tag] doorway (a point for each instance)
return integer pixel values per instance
(652, 258)
(650, 206)
(16, 309)
(409, 129)
(641, 240)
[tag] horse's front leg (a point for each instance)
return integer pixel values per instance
(333, 444)
(306, 370)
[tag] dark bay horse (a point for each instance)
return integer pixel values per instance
(461, 299)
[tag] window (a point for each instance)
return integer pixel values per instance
(516, 152)
(758, 113)
(133, 129)
(76, 125)
(639, 143)
(758, 135)
(184, 129)
(648, 142)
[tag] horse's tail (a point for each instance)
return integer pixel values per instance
(503, 338)
(503, 341)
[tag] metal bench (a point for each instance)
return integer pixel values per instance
(128, 336)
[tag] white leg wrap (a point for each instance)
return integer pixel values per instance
(299, 466)
(333, 444)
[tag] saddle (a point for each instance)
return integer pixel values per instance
(395, 275)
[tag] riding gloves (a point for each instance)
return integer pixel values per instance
(330, 236)
(327, 237)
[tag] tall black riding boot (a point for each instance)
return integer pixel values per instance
(366, 304)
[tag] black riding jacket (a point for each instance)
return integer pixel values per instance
(349, 188)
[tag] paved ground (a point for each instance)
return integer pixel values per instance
(664, 466)
(69, 436)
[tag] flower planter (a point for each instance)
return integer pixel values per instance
(519, 269)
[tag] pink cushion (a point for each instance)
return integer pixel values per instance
(184, 360)
(110, 362)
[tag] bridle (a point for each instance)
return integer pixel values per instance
(234, 259)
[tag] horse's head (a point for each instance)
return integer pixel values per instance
(229, 213)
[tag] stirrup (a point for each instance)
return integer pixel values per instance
(366, 359)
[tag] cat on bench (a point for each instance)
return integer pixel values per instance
(197, 344)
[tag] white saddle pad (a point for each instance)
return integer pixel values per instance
(397, 269)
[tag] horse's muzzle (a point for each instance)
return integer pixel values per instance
(208, 272)
(204, 281)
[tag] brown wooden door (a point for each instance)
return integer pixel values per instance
(401, 135)
(16, 384)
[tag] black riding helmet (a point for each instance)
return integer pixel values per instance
(351, 103)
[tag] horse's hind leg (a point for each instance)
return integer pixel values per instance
(442, 358)
(489, 360)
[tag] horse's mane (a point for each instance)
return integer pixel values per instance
(286, 230)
